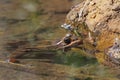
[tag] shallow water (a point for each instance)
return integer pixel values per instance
(36, 23)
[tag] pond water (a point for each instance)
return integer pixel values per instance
(36, 23)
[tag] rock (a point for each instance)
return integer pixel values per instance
(98, 15)
(101, 17)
